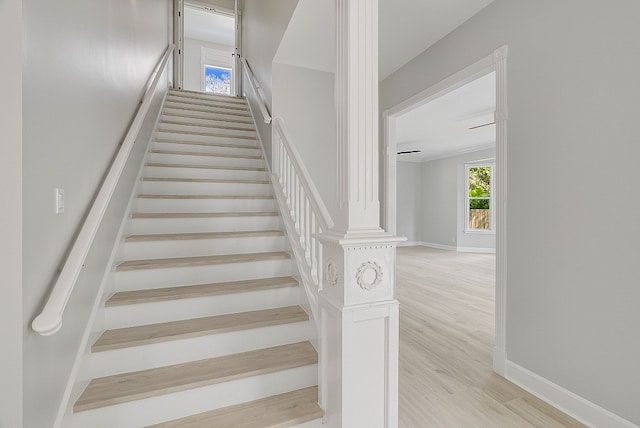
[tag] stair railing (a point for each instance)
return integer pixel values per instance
(49, 321)
(304, 213)
(255, 87)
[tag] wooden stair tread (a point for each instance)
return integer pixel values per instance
(217, 155)
(278, 411)
(206, 134)
(206, 215)
(175, 262)
(202, 235)
(122, 298)
(205, 180)
(210, 144)
(127, 387)
(187, 93)
(209, 110)
(193, 116)
(183, 329)
(202, 125)
(181, 165)
(208, 103)
(154, 196)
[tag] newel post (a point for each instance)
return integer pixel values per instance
(358, 306)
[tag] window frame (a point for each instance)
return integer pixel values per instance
(467, 199)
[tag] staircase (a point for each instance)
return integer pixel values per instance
(206, 327)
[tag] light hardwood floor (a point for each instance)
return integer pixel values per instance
(446, 342)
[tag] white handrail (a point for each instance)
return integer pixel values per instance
(304, 213)
(49, 321)
(255, 86)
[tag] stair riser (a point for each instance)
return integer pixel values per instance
(185, 95)
(204, 160)
(203, 205)
(181, 404)
(181, 351)
(168, 127)
(175, 136)
(207, 101)
(208, 149)
(198, 247)
(209, 109)
(194, 225)
(181, 172)
(203, 114)
(236, 123)
(312, 424)
(173, 310)
(198, 188)
(173, 277)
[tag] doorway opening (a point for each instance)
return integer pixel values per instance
(491, 68)
(207, 42)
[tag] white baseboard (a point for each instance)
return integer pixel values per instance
(499, 361)
(570, 403)
(438, 246)
(476, 250)
(409, 244)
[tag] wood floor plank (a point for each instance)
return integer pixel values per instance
(206, 215)
(127, 387)
(200, 260)
(202, 235)
(199, 290)
(278, 411)
(446, 347)
(183, 329)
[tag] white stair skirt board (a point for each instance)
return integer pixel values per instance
(203, 278)
(167, 407)
(573, 405)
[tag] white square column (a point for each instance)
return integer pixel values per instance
(358, 307)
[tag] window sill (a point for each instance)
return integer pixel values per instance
(480, 232)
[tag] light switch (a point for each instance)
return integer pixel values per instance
(59, 201)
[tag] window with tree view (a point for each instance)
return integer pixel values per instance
(217, 80)
(479, 199)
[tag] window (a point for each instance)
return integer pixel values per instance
(217, 80)
(479, 201)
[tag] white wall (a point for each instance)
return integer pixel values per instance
(193, 61)
(263, 25)
(409, 200)
(304, 99)
(85, 66)
(572, 281)
(11, 216)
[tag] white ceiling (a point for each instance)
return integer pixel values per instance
(440, 128)
(406, 28)
(202, 24)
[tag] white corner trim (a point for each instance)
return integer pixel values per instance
(570, 403)
(438, 246)
(476, 250)
(499, 361)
